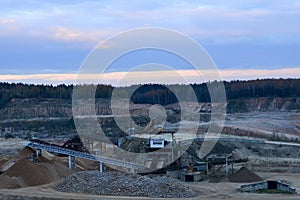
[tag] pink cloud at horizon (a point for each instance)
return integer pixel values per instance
(143, 77)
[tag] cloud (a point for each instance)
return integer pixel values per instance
(73, 26)
(7, 21)
(163, 77)
(76, 35)
(254, 13)
(93, 19)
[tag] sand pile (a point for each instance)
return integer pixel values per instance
(121, 184)
(24, 153)
(83, 164)
(24, 173)
(244, 175)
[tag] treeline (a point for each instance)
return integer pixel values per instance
(157, 94)
(9, 91)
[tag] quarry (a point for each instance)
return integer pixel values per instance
(255, 146)
(149, 100)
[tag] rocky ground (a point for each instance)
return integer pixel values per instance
(22, 177)
(120, 184)
(205, 189)
(275, 124)
(276, 119)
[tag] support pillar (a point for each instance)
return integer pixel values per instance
(70, 162)
(207, 168)
(101, 167)
(226, 166)
(38, 152)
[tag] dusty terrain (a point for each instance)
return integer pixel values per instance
(49, 118)
(277, 124)
(206, 190)
(22, 179)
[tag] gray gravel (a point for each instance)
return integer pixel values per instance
(120, 184)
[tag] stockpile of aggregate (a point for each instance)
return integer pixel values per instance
(121, 184)
(244, 175)
(24, 173)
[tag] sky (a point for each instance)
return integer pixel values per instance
(47, 41)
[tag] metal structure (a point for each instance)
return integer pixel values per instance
(79, 151)
(268, 185)
(73, 154)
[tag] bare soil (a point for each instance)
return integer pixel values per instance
(23, 172)
(206, 190)
(244, 175)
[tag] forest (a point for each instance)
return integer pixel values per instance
(155, 93)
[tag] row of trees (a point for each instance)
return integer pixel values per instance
(157, 94)
(283, 88)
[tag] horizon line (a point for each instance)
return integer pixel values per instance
(159, 77)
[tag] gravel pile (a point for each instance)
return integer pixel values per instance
(244, 175)
(120, 184)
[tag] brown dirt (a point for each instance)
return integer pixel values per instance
(24, 173)
(24, 153)
(244, 175)
(83, 164)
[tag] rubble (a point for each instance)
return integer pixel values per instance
(121, 184)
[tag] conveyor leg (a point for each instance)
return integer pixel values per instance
(101, 167)
(226, 166)
(70, 162)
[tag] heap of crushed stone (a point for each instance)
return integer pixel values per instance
(244, 175)
(121, 184)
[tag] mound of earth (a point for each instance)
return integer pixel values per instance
(25, 152)
(121, 184)
(244, 175)
(23, 172)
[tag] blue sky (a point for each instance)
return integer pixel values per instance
(54, 37)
